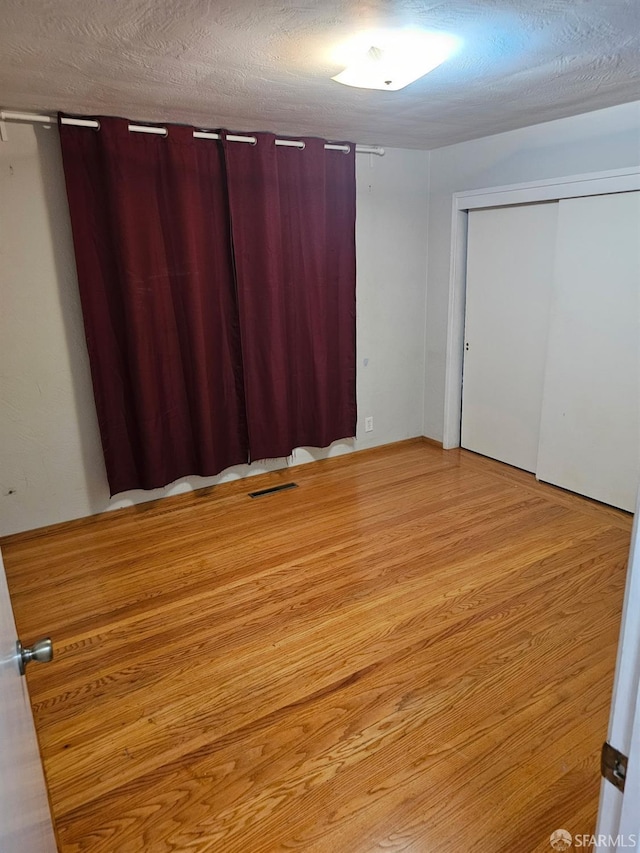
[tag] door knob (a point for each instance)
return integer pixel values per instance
(42, 651)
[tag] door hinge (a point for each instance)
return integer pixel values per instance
(613, 766)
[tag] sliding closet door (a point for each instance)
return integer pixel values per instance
(589, 441)
(510, 260)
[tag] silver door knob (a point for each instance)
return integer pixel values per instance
(42, 651)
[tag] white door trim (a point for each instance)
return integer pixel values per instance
(625, 702)
(552, 189)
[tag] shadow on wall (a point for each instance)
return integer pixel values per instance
(535, 161)
(52, 174)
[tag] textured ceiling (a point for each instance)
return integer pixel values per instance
(251, 65)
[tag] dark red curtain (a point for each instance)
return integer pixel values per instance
(293, 228)
(218, 290)
(151, 232)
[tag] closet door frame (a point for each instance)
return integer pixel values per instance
(573, 186)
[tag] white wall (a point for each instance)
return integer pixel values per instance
(598, 141)
(51, 466)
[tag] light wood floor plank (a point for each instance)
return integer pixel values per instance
(412, 651)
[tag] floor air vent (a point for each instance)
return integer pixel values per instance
(283, 488)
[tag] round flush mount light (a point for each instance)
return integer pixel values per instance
(391, 60)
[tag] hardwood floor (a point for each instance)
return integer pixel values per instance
(412, 651)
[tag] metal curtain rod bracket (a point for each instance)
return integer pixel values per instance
(9, 115)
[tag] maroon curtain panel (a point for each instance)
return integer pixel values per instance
(293, 229)
(151, 230)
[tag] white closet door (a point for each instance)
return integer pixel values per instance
(589, 430)
(510, 259)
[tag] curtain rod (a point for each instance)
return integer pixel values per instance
(8, 115)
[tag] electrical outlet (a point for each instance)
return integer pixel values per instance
(368, 424)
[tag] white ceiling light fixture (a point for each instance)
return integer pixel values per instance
(392, 60)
